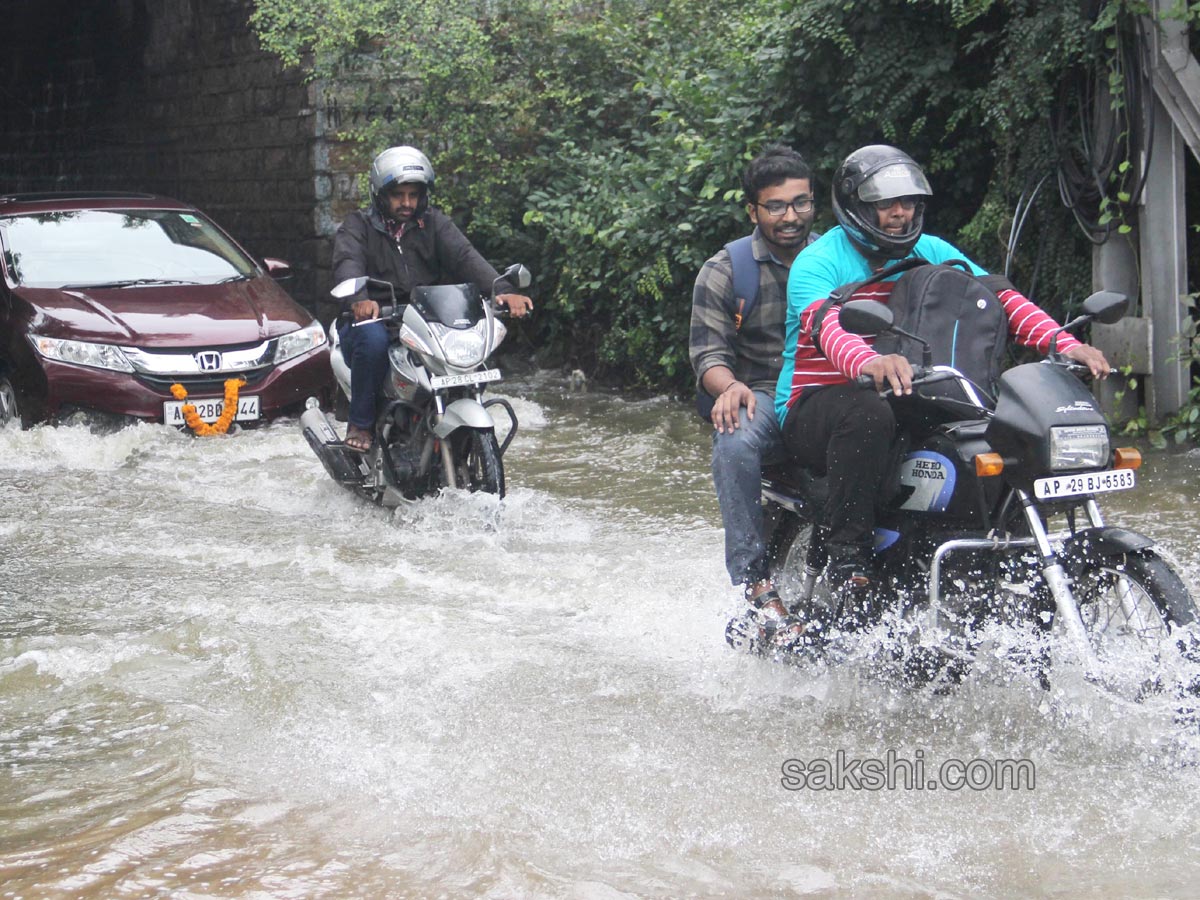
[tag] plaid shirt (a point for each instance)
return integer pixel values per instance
(754, 352)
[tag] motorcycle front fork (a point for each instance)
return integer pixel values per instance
(444, 445)
(1066, 608)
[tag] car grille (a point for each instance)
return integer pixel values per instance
(207, 383)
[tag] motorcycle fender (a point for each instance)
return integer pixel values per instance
(463, 413)
(1093, 544)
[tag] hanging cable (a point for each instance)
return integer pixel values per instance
(1091, 172)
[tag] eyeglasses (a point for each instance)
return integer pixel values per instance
(776, 208)
(906, 203)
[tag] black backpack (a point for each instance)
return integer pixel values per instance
(958, 313)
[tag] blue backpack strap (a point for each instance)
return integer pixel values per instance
(745, 279)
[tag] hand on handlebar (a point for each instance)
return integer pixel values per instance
(1093, 359)
(892, 371)
(365, 310)
(518, 304)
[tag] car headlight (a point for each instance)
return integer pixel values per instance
(1078, 447)
(82, 353)
(464, 348)
(296, 343)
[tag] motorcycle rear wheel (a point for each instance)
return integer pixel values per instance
(1132, 596)
(478, 464)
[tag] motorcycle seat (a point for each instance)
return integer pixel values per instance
(797, 481)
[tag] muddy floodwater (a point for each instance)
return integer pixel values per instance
(222, 676)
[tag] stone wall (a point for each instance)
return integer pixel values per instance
(173, 97)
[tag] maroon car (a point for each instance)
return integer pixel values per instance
(109, 299)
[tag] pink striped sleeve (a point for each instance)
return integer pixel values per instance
(848, 352)
(1030, 326)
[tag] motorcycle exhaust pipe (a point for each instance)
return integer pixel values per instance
(343, 465)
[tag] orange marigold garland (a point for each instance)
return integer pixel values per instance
(198, 425)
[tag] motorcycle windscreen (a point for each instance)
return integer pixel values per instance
(454, 305)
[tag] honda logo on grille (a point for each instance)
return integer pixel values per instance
(208, 360)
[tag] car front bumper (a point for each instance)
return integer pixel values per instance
(280, 389)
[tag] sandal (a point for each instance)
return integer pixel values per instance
(359, 439)
(765, 631)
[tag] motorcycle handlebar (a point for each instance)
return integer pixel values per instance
(920, 374)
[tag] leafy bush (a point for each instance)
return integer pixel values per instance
(602, 142)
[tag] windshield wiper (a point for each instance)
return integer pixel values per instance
(232, 278)
(129, 282)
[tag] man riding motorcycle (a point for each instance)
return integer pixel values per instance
(402, 240)
(830, 424)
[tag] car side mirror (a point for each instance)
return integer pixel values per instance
(277, 268)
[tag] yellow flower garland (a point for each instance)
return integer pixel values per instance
(198, 425)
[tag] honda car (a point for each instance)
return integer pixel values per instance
(107, 300)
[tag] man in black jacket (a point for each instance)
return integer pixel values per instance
(400, 239)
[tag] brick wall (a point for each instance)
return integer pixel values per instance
(173, 97)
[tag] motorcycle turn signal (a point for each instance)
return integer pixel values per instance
(988, 464)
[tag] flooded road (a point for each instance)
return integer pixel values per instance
(222, 676)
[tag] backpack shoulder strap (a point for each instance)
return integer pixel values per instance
(846, 291)
(745, 279)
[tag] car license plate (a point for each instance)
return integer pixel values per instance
(1087, 483)
(444, 381)
(209, 409)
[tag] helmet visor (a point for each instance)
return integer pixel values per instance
(895, 180)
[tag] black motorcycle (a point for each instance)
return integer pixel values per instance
(990, 514)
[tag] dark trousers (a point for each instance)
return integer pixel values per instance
(365, 349)
(845, 433)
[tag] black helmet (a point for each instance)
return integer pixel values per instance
(878, 172)
(399, 165)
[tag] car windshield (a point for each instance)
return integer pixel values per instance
(118, 248)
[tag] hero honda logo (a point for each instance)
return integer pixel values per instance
(208, 360)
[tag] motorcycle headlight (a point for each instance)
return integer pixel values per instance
(296, 343)
(1078, 447)
(464, 348)
(81, 353)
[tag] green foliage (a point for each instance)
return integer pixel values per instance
(602, 142)
(1184, 426)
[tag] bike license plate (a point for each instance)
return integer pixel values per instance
(1087, 483)
(210, 409)
(444, 381)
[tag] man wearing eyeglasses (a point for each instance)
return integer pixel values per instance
(830, 424)
(737, 358)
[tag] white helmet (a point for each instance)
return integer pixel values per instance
(398, 165)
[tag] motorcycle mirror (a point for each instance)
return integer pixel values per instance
(865, 317)
(518, 276)
(349, 287)
(1106, 307)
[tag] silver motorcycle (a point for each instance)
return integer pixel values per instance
(433, 428)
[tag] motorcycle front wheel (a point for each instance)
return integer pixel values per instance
(478, 466)
(1132, 597)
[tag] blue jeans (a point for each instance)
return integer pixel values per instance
(365, 349)
(737, 464)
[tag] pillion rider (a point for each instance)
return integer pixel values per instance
(401, 239)
(735, 352)
(830, 424)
